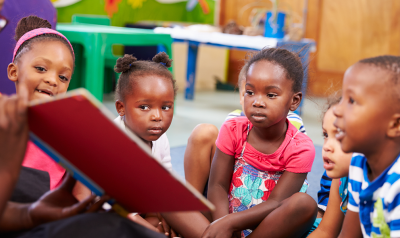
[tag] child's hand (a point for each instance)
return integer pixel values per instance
(220, 228)
(13, 130)
(13, 140)
(163, 227)
(60, 203)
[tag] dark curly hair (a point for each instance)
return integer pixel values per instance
(131, 69)
(29, 23)
(390, 63)
(289, 61)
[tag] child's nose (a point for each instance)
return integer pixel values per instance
(337, 109)
(258, 102)
(156, 116)
(52, 80)
(327, 147)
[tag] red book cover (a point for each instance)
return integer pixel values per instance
(78, 132)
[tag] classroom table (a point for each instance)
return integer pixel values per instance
(242, 42)
(97, 39)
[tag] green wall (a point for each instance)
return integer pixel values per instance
(151, 10)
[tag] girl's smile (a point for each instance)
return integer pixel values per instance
(48, 68)
(45, 92)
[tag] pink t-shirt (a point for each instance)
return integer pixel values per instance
(35, 158)
(296, 155)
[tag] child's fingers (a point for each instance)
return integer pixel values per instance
(10, 109)
(165, 226)
(160, 228)
(173, 233)
(98, 204)
(68, 183)
(78, 208)
(22, 98)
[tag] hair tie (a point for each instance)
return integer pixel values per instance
(165, 65)
(130, 65)
(37, 32)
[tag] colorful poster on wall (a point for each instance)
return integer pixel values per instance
(124, 12)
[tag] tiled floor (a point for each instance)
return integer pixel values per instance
(213, 107)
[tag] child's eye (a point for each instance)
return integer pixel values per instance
(351, 100)
(325, 135)
(41, 69)
(63, 78)
(166, 108)
(249, 92)
(271, 95)
(144, 107)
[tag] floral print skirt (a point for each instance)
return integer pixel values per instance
(249, 187)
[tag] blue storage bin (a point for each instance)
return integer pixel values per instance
(275, 29)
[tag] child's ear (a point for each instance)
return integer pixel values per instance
(119, 105)
(12, 72)
(394, 126)
(296, 99)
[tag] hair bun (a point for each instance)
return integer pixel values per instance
(29, 23)
(124, 63)
(162, 57)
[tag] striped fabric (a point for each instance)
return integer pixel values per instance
(236, 113)
(376, 202)
(296, 121)
(323, 194)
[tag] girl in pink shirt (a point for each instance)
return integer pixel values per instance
(261, 160)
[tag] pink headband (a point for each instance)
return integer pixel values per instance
(37, 32)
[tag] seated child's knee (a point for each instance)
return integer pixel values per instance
(204, 133)
(304, 204)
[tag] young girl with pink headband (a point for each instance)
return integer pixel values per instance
(43, 59)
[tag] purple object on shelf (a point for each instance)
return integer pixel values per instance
(13, 11)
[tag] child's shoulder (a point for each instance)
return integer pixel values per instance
(298, 136)
(393, 180)
(237, 123)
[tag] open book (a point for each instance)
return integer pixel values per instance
(78, 132)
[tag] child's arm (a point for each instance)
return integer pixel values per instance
(220, 178)
(289, 184)
(53, 205)
(13, 140)
(351, 226)
(141, 221)
(333, 219)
